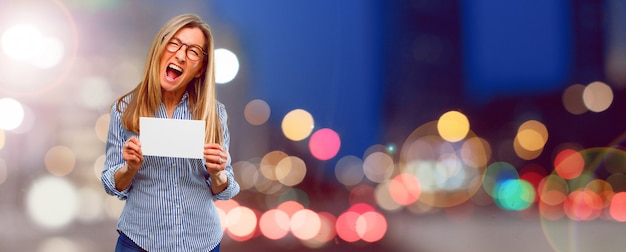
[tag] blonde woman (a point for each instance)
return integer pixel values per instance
(169, 201)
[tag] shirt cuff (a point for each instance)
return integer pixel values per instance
(230, 191)
(108, 179)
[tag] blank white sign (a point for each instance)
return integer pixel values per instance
(172, 137)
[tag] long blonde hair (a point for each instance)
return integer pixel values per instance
(201, 90)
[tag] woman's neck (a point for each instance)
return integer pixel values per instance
(171, 100)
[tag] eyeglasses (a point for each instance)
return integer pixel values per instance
(193, 51)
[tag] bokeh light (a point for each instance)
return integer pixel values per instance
(25, 42)
(378, 166)
(497, 173)
(297, 124)
(247, 175)
(290, 171)
(532, 135)
(50, 53)
(305, 224)
(453, 126)
(476, 152)
(514, 194)
(617, 208)
(257, 112)
(361, 222)
(241, 222)
(226, 65)
(349, 170)
(269, 163)
(598, 96)
(326, 231)
(52, 202)
(573, 99)
(346, 226)
(324, 193)
(569, 164)
(11, 114)
(324, 144)
(274, 224)
(60, 160)
(405, 189)
(383, 197)
(22, 42)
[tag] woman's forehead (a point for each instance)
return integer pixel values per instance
(190, 35)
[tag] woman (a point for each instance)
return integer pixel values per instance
(169, 201)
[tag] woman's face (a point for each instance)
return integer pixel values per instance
(176, 69)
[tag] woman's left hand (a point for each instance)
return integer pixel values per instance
(215, 157)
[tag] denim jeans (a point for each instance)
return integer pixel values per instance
(125, 244)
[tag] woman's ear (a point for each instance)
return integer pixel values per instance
(199, 73)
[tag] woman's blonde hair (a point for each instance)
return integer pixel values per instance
(201, 90)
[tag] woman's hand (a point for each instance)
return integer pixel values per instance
(131, 152)
(215, 157)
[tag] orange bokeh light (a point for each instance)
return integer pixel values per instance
(569, 164)
(405, 189)
(617, 209)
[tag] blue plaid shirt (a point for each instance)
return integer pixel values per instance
(169, 205)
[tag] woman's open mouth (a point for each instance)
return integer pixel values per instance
(172, 72)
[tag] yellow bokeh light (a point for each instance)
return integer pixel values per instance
(530, 139)
(453, 126)
(524, 153)
(297, 124)
(532, 135)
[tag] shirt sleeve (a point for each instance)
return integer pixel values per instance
(233, 187)
(114, 160)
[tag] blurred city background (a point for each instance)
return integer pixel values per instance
(411, 125)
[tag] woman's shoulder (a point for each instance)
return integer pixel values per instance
(121, 102)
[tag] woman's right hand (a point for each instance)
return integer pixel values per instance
(131, 152)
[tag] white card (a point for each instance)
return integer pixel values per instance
(172, 137)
